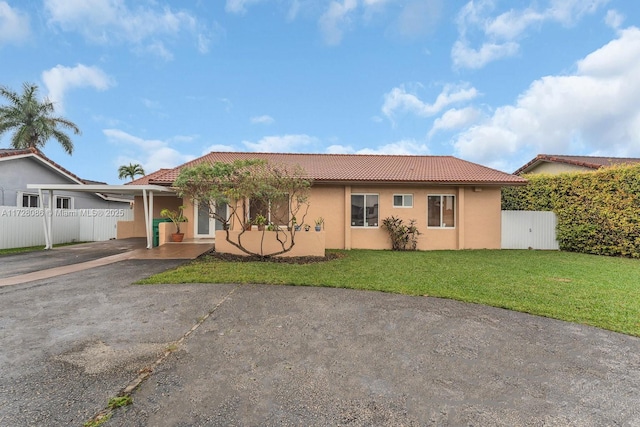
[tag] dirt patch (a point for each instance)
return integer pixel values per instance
(98, 357)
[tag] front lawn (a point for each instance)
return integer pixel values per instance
(13, 251)
(594, 290)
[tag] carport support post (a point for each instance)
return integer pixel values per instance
(46, 219)
(147, 222)
(47, 242)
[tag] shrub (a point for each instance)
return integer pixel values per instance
(403, 237)
(598, 212)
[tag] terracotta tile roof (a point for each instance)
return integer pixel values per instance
(144, 180)
(589, 162)
(34, 152)
(365, 168)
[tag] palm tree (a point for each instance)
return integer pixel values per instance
(32, 121)
(130, 171)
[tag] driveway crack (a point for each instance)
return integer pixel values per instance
(106, 413)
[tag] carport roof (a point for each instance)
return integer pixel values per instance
(135, 190)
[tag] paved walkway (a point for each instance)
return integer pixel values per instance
(98, 254)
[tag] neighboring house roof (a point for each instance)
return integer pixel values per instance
(12, 153)
(364, 168)
(144, 180)
(587, 162)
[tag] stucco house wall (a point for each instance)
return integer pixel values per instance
(477, 216)
(136, 227)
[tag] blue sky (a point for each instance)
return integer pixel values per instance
(160, 82)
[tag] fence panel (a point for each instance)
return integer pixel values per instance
(529, 230)
(22, 227)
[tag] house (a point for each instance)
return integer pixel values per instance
(555, 164)
(21, 167)
(456, 203)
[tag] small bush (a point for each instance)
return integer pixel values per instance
(403, 237)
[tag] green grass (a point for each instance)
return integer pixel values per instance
(593, 290)
(12, 251)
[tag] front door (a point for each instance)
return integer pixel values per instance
(206, 225)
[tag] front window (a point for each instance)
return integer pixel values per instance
(403, 200)
(441, 211)
(29, 200)
(364, 210)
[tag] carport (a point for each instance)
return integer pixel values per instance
(146, 191)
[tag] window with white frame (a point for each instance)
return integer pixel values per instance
(364, 210)
(64, 202)
(29, 200)
(403, 200)
(441, 211)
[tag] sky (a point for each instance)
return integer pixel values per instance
(161, 82)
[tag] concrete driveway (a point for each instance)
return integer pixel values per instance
(277, 355)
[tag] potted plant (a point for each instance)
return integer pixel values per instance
(307, 227)
(295, 224)
(260, 221)
(319, 223)
(176, 217)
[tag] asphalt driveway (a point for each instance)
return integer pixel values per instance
(278, 355)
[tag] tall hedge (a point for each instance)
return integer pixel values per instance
(598, 212)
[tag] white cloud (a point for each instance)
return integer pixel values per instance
(152, 105)
(158, 49)
(594, 110)
(339, 149)
(404, 146)
(568, 12)
(14, 25)
(59, 79)
(416, 18)
(499, 35)
(218, 148)
(239, 6)
(153, 154)
(407, 18)
(333, 22)
(399, 100)
(282, 143)
(111, 21)
(614, 19)
(264, 120)
(466, 57)
(455, 119)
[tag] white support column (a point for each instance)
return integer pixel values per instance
(47, 244)
(51, 207)
(150, 218)
(147, 225)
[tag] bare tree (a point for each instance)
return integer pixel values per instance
(281, 192)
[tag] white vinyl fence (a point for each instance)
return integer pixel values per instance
(529, 230)
(23, 227)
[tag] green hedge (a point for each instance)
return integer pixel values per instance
(598, 212)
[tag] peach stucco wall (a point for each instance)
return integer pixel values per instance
(477, 222)
(478, 218)
(307, 243)
(483, 219)
(135, 228)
